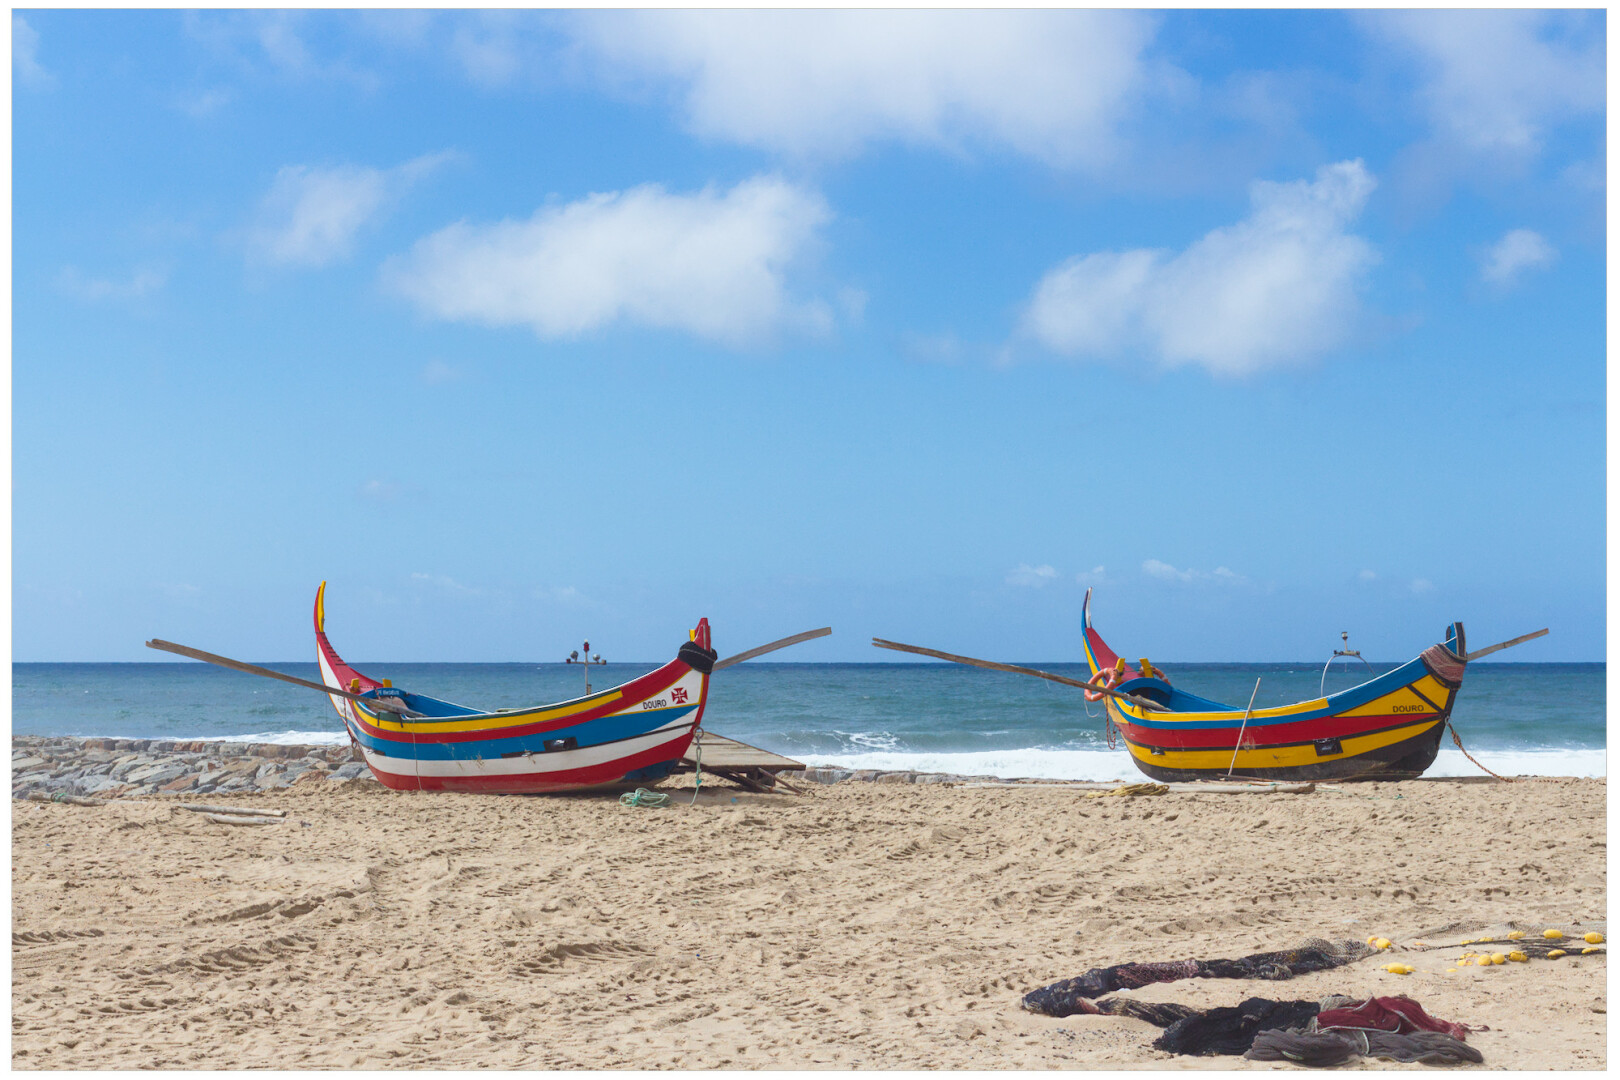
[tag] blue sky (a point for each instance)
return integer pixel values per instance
(520, 328)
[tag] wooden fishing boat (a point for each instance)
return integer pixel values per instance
(631, 734)
(1387, 728)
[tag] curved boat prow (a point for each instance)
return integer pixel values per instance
(633, 733)
(1388, 727)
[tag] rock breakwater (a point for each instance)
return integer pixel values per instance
(110, 768)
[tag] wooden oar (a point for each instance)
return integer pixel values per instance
(385, 704)
(1015, 669)
(1499, 646)
(772, 647)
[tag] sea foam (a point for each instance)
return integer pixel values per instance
(1114, 765)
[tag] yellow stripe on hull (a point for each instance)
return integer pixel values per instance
(1405, 700)
(390, 722)
(1200, 719)
(1281, 757)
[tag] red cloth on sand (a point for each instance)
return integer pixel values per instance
(1399, 1015)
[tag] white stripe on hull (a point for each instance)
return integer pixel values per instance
(537, 765)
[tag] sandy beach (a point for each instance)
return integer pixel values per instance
(859, 925)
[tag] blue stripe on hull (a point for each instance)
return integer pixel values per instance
(605, 729)
(1343, 701)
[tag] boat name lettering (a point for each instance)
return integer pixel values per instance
(655, 703)
(1409, 708)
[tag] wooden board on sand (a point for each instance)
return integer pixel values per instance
(720, 752)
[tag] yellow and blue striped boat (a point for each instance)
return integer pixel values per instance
(1387, 728)
(631, 734)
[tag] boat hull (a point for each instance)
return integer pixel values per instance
(1406, 758)
(1388, 728)
(633, 734)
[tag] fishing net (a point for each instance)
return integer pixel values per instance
(1329, 1048)
(1064, 998)
(1530, 938)
(1231, 1030)
(1396, 1014)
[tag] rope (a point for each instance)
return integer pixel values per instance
(1458, 740)
(697, 757)
(642, 797)
(1246, 713)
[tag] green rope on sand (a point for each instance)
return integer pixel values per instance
(642, 797)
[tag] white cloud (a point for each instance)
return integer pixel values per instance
(489, 48)
(1497, 80)
(1165, 572)
(273, 43)
(142, 282)
(25, 56)
(1516, 252)
(1422, 585)
(311, 215)
(713, 264)
(1276, 288)
(446, 583)
(1367, 575)
(1052, 85)
(1033, 577)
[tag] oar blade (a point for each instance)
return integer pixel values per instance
(992, 665)
(385, 704)
(1499, 646)
(772, 647)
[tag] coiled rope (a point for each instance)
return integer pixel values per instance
(642, 797)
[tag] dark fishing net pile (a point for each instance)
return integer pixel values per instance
(1070, 996)
(1333, 1031)
(1231, 1030)
(1324, 1049)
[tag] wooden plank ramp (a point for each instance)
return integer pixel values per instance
(744, 765)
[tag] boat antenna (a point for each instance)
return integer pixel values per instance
(587, 660)
(1347, 651)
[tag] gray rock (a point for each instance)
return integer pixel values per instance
(273, 781)
(156, 774)
(269, 768)
(23, 764)
(122, 771)
(826, 775)
(350, 771)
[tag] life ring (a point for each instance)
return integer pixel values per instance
(1107, 677)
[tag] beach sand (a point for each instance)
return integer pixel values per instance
(860, 925)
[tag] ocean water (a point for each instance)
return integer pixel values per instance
(1536, 719)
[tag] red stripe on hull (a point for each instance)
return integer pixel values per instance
(343, 671)
(533, 783)
(649, 684)
(1304, 731)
